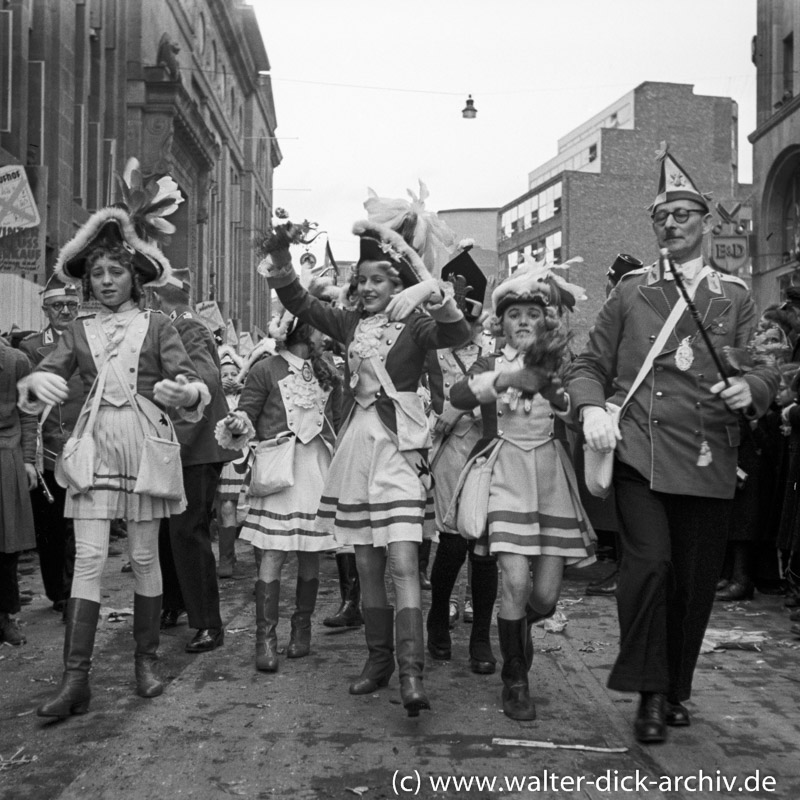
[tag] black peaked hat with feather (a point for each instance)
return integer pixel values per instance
(136, 223)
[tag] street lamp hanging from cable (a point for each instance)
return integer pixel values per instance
(469, 111)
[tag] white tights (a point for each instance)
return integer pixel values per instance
(91, 552)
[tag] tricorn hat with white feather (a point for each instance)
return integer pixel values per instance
(136, 223)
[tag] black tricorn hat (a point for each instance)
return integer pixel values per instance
(623, 264)
(474, 281)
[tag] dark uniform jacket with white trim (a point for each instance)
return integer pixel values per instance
(673, 411)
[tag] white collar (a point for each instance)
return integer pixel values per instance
(510, 352)
(292, 360)
(689, 270)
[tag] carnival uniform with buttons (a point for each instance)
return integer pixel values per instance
(377, 348)
(282, 394)
(673, 412)
(534, 505)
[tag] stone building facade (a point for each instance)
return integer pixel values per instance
(776, 150)
(180, 84)
(591, 199)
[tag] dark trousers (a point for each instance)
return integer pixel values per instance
(9, 583)
(673, 548)
(188, 566)
(55, 539)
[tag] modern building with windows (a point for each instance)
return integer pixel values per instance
(776, 151)
(591, 199)
(182, 85)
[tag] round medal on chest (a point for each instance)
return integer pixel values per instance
(307, 372)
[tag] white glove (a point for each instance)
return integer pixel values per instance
(403, 303)
(51, 389)
(600, 429)
(175, 393)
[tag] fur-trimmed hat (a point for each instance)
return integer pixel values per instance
(537, 284)
(229, 357)
(381, 243)
(136, 222)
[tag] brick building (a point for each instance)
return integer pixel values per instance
(181, 85)
(590, 200)
(776, 151)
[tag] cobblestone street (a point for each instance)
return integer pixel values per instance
(222, 729)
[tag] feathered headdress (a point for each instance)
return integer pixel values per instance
(538, 284)
(136, 222)
(380, 243)
(430, 237)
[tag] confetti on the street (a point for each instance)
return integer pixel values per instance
(556, 623)
(118, 614)
(732, 639)
(553, 746)
(16, 760)
(358, 790)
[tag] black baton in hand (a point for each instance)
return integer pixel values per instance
(666, 264)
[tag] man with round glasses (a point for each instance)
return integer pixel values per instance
(676, 446)
(55, 540)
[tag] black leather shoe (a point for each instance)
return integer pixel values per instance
(650, 726)
(604, 588)
(734, 591)
(170, 617)
(438, 652)
(676, 715)
(482, 667)
(205, 640)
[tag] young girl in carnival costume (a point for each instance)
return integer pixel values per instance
(377, 496)
(295, 394)
(137, 358)
(534, 511)
(233, 472)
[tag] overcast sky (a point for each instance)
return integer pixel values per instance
(369, 93)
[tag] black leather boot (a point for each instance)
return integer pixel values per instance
(450, 555)
(348, 615)
(74, 695)
(267, 596)
(227, 551)
(514, 637)
(424, 558)
(146, 626)
(484, 594)
(379, 633)
(306, 601)
(411, 660)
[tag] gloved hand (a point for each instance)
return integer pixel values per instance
(176, 393)
(403, 303)
(600, 429)
(49, 388)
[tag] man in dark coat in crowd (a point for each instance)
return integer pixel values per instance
(188, 566)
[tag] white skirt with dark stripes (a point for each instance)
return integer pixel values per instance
(374, 494)
(534, 505)
(118, 443)
(285, 520)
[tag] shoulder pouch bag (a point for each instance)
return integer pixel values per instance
(160, 470)
(74, 467)
(469, 508)
(273, 465)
